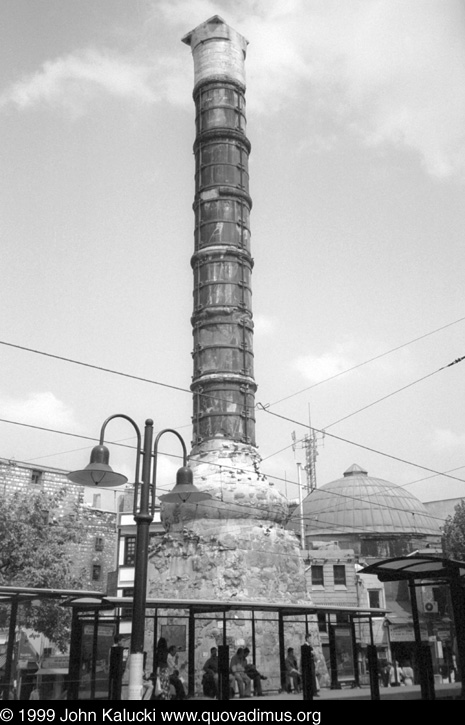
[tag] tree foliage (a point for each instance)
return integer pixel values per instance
(453, 537)
(37, 534)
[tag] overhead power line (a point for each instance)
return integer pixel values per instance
(399, 390)
(276, 415)
(187, 390)
(259, 405)
(218, 465)
(94, 367)
(366, 362)
(265, 408)
(360, 445)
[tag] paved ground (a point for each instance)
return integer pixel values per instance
(443, 692)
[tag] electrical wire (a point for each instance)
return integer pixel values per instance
(360, 445)
(95, 367)
(366, 362)
(290, 420)
(161, 488)
(265, 408)
(187, 390)
(238, 504)
(323, 431)
(427, 478)
(390, 395)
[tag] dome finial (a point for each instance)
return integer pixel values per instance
(355, 470)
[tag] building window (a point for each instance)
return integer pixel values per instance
(321, 622)
(36, 476)
(97, 500)
(317, 576)
(96, 572)
(339, 574)
(98, 543)
(374, 598)
(129, 551)
(126, 612)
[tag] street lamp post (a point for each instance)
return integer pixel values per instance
(99, 473)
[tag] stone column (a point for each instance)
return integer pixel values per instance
(235, 546)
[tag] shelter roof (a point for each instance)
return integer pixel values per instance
(97, 600)
(25, 594)
(417, 566)
(199, 606)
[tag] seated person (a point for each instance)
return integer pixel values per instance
(173, 674)
(252, 672)
(292, 673)
(237, 669)
(178, 685)
(210, 678)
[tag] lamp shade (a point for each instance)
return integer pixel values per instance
(98, 472)
(92, 603)
(184, 490)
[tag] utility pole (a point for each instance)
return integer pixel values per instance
(301, 498)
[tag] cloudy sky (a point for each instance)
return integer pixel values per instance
(356, 115)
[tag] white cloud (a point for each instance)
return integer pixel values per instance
(378, 363)
(43, 409)
(166, 473)
(71, 81)
(391, 71)
(445, 439)
(263, 325)
(315, 368)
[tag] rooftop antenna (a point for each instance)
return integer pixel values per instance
(310, 445)
(311, 452)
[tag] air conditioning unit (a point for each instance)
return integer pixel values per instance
(431, 608)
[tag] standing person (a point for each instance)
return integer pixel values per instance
(162, 675)
(396, 675)
(408, 674)
(237, 668)
(310, 683)
(35, 694)
(292, 672)
(386, 673)
(252, 672)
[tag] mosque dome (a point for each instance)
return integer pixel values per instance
(360, 504)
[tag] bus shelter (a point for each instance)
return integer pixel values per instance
(419, 570)
(178, 621)
(88, 671)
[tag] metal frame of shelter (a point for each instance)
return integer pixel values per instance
(14, 596)
(418, 570)
(94, 609)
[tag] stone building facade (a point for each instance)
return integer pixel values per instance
(94, 555)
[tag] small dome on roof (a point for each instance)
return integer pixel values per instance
(355, 470)
(358, 503)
